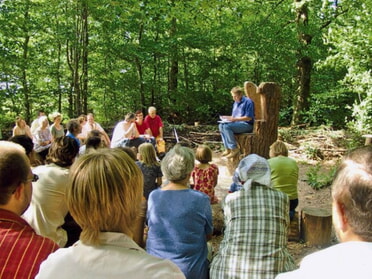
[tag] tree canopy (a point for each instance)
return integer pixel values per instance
(111, 57)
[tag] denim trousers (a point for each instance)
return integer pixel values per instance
(228, 130)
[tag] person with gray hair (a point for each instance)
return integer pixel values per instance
(352, 221)
(179, 218)
(256, 224)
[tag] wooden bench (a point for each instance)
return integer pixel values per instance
(266, 98)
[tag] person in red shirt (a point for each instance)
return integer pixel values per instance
(154, 122)
(21, 249)
(142, 126)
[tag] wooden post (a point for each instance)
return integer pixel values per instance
(368, 140)
(316, 226)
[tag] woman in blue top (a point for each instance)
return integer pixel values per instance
(179, 218)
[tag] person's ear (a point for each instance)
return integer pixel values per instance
(338, 214)
(19, 190)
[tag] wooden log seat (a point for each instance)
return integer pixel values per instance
(316, 226)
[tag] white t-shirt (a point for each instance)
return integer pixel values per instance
(117, 257)
(48, 206)
(348, 260)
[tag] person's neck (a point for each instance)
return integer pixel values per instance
(178, 185)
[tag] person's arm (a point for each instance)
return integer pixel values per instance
(28, 132)
(240, 118)
(131, 132)
(148, 132)
(161, 132)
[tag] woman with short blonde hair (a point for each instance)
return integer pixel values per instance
(278, 148)
(104, 196)
(101, 185)
(284, 174)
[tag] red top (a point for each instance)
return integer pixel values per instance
(21, 249)
(142, 128)
(154, 124)
(205, 180)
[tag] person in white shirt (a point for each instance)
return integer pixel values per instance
(48, 206)
(92, 125)
(104, 197)
(352, 220)
(126, 133)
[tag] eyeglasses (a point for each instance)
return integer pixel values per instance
(34, 178)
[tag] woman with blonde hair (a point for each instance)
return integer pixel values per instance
(104, 196)
(56, 129)
(21, 128)
(284, 174)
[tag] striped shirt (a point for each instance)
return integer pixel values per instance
(255, 238)
(21, 249)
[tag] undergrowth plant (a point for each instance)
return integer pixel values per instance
(318, 179)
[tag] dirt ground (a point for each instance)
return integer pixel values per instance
(308, 197)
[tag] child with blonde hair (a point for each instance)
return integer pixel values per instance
(205, 174)
(150, 168)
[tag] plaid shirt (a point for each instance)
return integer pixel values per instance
(255, 238)
(21, 249)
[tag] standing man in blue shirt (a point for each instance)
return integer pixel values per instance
(240, 121)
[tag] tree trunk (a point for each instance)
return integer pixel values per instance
(304, 64)
(304, 67)
(85, 42)
(24, 64)
(173, 71)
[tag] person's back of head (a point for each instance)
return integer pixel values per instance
(178, 163)
(253, 168)
(129, 150)
(63, 151)
(73, 126)
(147, 154)
(203, 154)
(104, 193)
(278, 148)
(14, 169)
(352, 190)
(94, 142)
(25, 142)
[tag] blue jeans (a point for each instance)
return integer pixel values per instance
(229, 129)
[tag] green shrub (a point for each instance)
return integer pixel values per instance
(317, 179)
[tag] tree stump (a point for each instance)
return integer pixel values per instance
(368, 140)
(316, 226)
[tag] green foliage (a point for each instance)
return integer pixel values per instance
(318, 179)
(183, 57)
